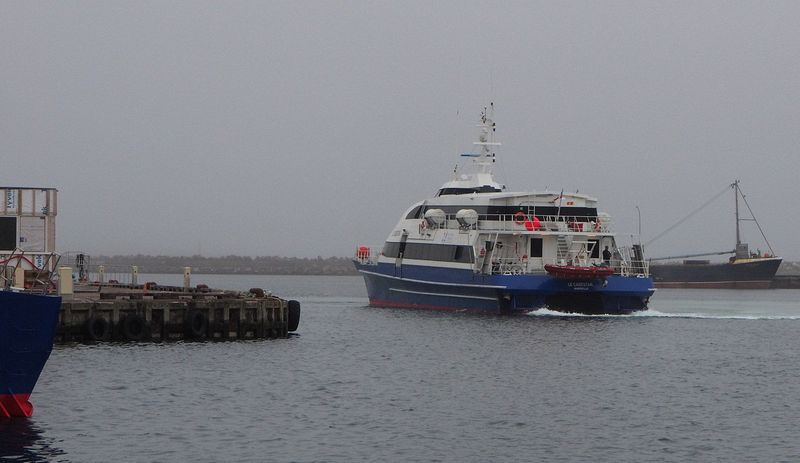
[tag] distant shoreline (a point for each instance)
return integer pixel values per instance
(227, 265)
(262, 265)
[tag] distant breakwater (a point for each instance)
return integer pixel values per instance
(228, 265)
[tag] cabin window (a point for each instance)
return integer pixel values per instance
(415, 213)
(464, 191)
(391, 249)
(464, 254)
(414, 252)
(439, 252)
(536, 247)
(8, 233)
(595, 244)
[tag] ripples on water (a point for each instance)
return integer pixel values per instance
(703, 376)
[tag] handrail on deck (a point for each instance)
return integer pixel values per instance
(546, 223)
(367, 255)
(40, 265)
(535, 266)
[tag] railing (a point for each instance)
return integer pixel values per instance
(634, 268)
(34, 271)
(30, 260)
(535, 266)
(367, 255)
(518, 223)
(114, 274)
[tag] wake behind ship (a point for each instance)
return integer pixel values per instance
(477, 246)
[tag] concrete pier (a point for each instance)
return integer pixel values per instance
(786, 282)
(158, 313)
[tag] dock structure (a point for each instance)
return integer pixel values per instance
(785, 282)
(97, 310)
(150, 312)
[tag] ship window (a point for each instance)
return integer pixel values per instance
(415, 213)
(439, 252)
(464, 191)
(536, 247)
(415, 251)
(595, 248)
(464, 254)
(8, 233)
(391, 249)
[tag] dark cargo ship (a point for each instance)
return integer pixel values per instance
(744, 270)
(744, 273)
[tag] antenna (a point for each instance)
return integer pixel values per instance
(485, 157)
(478, 178)
(735, 186)
(491, 82)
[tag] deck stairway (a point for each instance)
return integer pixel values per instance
(562, 249)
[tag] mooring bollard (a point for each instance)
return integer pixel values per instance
(101, 274)
(134, 275)
(65, 282)
(187, 273)
(19, 277)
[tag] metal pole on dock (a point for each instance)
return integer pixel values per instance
(134, 275)
(187, 274)
(65, 282)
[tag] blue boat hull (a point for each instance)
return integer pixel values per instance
(27, 328)
(457, 289)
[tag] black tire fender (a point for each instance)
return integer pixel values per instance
(196, 324)
(294, 315)
(133, 327)
(97, 329)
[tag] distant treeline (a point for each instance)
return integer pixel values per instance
(264, 265)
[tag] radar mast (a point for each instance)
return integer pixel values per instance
(485, 157)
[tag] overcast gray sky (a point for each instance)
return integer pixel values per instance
(306, 128)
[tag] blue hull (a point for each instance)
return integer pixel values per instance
(453, 289)
(27, 328)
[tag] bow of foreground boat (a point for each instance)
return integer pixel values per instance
(27, 328)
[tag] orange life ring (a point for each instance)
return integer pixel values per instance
(597, 226)
(520, 218)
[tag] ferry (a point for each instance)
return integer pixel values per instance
(477, 246)
(28, 322)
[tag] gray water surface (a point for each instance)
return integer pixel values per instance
(704, 375)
